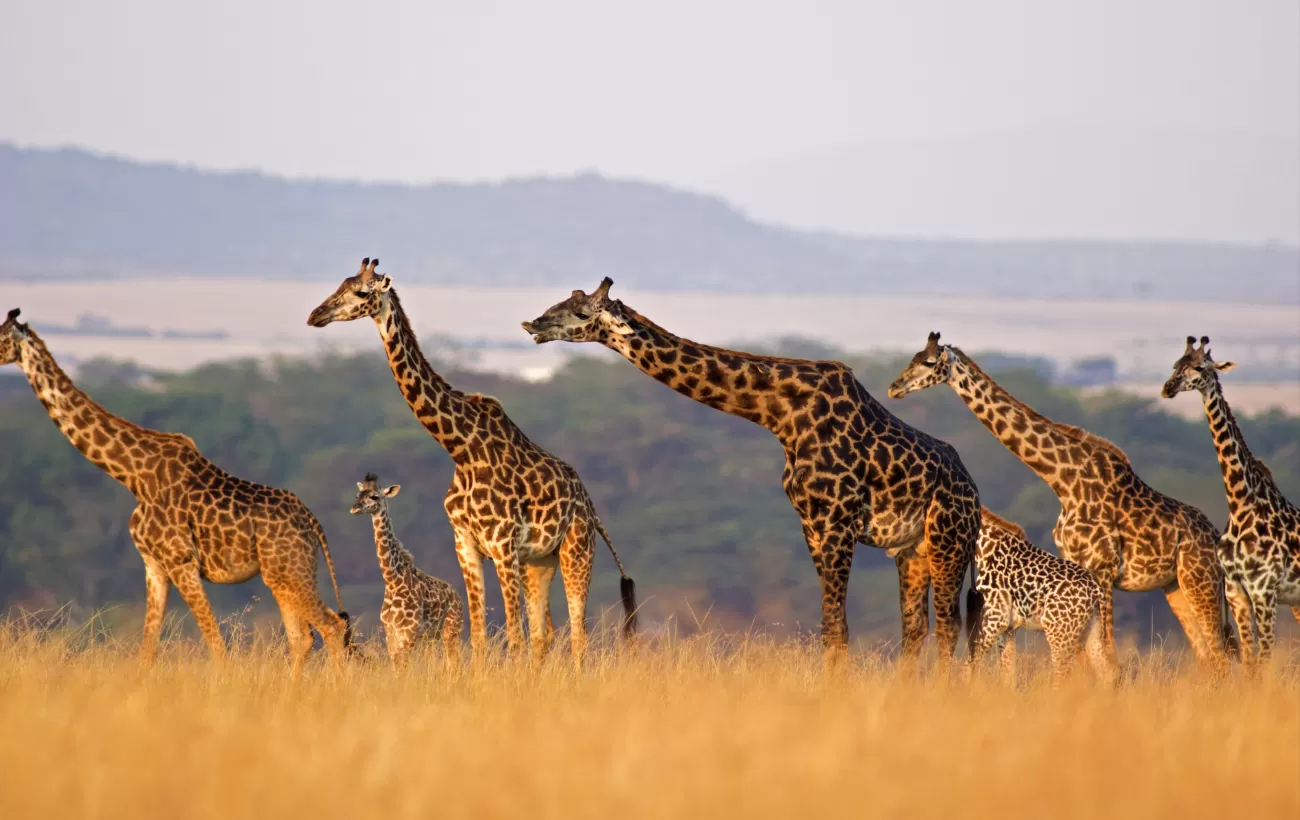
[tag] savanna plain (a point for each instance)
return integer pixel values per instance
(711, 725)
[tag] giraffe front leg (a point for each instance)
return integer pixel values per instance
(989, 631)
(471, 568)
(190, 585)
(833, 556)
(510, 578)
(156, 586)
(453, 625)
(952, 527)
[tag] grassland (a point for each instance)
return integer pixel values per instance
(700, 727)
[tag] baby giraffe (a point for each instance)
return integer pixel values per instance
(416, 605)
(1024, 586)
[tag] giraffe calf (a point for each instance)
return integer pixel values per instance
(416, 605)
(1024, 586)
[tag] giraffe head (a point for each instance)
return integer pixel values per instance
(1194, 370)
(933, 365)
(371, 499)
(12, 334)
(582, 318)
(359, 295)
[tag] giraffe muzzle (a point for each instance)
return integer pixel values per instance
(320, 317)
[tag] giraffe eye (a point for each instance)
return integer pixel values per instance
(582, 314)
(931, 362)
(363, 294)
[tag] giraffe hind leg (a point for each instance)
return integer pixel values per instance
(951, 531)
(190, 585)
(537, 593)
(577, 555)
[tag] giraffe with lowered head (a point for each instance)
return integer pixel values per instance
(510, 501)
(193, 521)
(854, 472)
(1115, 525)
(1260, 550)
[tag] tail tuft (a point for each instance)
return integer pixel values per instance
(349, 646)
(974, 609)
(627, 589)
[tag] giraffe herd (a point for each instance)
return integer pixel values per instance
(854, 473)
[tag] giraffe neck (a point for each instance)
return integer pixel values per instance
(391, 554)
(111, 443)
(443, 410)
(1241, 475)
(741, 384)
(1029, 435)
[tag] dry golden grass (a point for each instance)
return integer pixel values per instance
(704, 727)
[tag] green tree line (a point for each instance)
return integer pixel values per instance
(691, 496)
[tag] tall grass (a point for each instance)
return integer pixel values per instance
(700, 727)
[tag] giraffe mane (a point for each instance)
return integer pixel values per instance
(1002, 523)
(143, 432)
(739, 354)
(1070, 431)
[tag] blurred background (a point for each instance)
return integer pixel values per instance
(1066, 190)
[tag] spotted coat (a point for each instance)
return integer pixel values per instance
(1026, 587)
(854, 472)
(510, 501)
(1112, 523)
(193, 521)
(1260, 550)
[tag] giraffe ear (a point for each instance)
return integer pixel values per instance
(361, 485)
(385, 282)
(392, 491)
(1224, 367)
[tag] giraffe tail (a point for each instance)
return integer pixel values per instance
(348, 646)
(626, 586)
(974, 608)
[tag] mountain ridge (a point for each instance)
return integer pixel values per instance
(73, 213)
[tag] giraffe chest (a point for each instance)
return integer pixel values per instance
(1261, 548)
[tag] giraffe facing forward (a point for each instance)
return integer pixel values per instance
(854, 472)
(1112, 523)
(1260, 551)
(193, 521)
(416, 605)
(510, 501)
(1024, 586)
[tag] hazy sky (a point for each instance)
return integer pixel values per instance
(693, 93)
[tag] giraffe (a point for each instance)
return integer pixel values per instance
(1260, 551)
(193, 521)
(1024, 586)
(854, 472)
(416, 605)
(510, 501)
(1112, 523)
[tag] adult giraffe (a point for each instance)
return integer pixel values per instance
(1260, 551)
(1115, 525)
(509, 501)
(193, 521)
(854, 472)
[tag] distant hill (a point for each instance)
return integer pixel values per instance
(71, 213)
